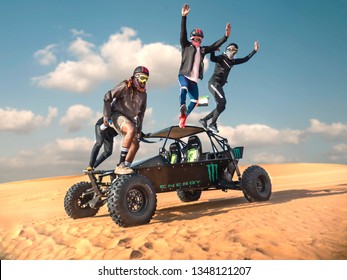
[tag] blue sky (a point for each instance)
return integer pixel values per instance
(58, 58)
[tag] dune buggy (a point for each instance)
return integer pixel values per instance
(181, 166)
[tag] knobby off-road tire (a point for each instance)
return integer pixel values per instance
(76, 201)
(132, 200)
(188, 195)
(256, 184)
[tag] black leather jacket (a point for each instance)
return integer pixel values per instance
(188, 51)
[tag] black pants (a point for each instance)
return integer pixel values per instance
(102, 137)
(219, 96)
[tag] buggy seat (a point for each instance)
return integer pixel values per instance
(193, 149)
(175, 153)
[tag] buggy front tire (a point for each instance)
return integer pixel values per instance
(132, 200)
(76, 201)
(256, 184)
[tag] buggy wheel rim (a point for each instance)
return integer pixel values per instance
(83, 200)
(261, 183)
(135, 200)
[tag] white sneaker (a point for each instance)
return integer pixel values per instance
(213, 128)
(121, 169)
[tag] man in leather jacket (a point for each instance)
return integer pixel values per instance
(192, 66)
(126, 104)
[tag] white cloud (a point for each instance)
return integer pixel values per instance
(63, 151)
(78, 116)
(338, 153)
(124, 52)
(117, 58)
(63, 156)
(66, 156)
(22, 159)
(46, 56)
(22, 121)
(78, 33)
(255, 135)
(149, 121)
(260, 134)
(68, 145)
(75, 76)
(332, 131)
(81, 48)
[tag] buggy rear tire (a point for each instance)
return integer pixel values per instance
(256, 184)
(189, 195)
(132, 200)
(76, 201)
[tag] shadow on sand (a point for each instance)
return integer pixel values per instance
(220, 206)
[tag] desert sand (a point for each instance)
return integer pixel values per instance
(305, 219)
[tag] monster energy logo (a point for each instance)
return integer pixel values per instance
(212, 171)
(237, 153)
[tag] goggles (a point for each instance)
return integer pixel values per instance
(231, 49)
(142, 78)
(197, 39)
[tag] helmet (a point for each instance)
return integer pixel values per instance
(140, 78)
(232, 45)
(141, 69)
(197, 32)
(231, 50)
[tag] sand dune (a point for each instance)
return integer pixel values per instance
(306, 218)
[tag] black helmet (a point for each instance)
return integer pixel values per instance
(197, 32)
(141, 69)
(232, 44)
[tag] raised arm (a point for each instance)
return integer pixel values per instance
(249, 56)
(185, 10)
(183, 37)
(221, 41)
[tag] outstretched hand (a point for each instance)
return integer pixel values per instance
(227, 29)
(185, 10)
(256, 46)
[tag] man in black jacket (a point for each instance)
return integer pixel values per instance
(223, 65)
(192, 66)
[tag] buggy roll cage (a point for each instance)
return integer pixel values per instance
(176, 133)
(218, 143)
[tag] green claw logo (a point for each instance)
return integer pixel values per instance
(212, 172)
(237, 153)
